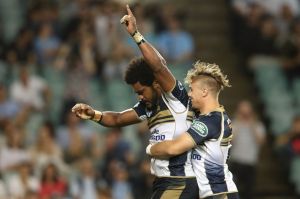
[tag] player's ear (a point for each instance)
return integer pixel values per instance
(204, 92)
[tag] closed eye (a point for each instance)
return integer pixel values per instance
(140, 92)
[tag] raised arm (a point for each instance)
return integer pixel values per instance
(107, 118)
(157, 63)
(178, 146)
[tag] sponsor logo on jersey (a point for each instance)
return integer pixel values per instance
(157, 137)
(229, 123)
(148, 113)
(180, 86)
(200, 128)
(155, 131)
(196, 157)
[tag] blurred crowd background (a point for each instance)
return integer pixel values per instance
(54, 53)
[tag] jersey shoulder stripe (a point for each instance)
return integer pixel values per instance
(160, 114)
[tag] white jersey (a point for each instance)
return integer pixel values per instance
(212, 133)
(170, 118)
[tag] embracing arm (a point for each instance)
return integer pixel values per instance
(106, 118)
(175, 147)
(153, 58)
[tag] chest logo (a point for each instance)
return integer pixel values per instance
(200, 128)
(148, 113)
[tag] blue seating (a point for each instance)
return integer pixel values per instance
(274, 92)
(11, 13)
(56, 82)
(296, 93)
(119, 95)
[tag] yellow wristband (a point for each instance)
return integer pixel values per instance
(98, 116)
(138, 37)
(148, 149)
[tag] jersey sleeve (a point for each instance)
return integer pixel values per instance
(178, 93)
(140, 109)
(205, 128)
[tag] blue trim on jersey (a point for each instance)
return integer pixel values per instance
(180, 93)
(216, 177)
(227, 126)
(176, 164)
(140, 109)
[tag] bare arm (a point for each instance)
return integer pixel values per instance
(107, 118)
(156, 62)
(119, 119)
(178, 146)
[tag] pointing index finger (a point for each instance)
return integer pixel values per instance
(129, 10)
(74, 109)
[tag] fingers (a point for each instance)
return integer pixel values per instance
(83, 111)
(76, 108)
(90, 112)
(127, 17)
(124, 19)
(83, 106)
(79, 107)
(129, 10)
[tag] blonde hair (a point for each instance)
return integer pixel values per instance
(208, 72)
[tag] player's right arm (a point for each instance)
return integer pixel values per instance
(201, 130)
(153, 58)
(106, 118)
(169, 148)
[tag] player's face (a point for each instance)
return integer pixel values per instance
(145, 93)
(195, 95)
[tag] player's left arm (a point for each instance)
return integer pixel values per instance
(154, 59)
(174, 147)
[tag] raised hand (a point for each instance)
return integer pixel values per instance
(130, 21)
(83, 111)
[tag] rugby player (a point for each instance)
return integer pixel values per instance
(164, 103)
(209, 135)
